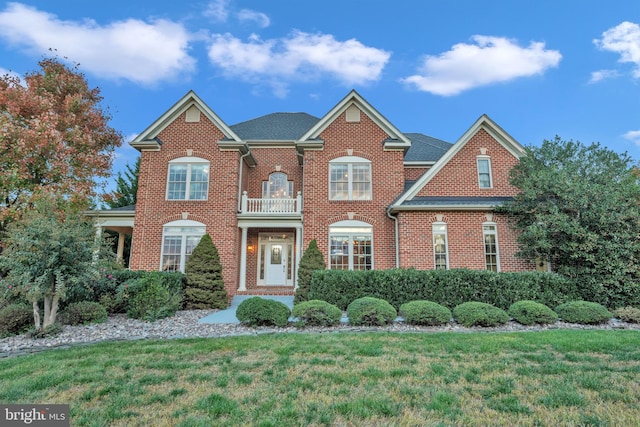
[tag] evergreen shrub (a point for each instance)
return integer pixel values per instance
(311, 261)
(475, 313)
(256, 311)
(529, 312)
(83, 313)
(425, 313)
(15, 319)
(371, 311)
(154, 296)
(204, 286)
(583, 312)
(628, 314)
(317, 313)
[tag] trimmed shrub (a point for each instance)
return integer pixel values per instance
(311, 261)
(204, 286)
(529, 312)
(317, 313)
(475, 313)
(256, 311)
(371, 311)
(426, 313)
(583, 312)
(154, 296)
(628, 314)
(15, 319)
(83, 313)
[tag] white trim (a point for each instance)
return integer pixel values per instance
(350, 229)
(289, 241)
(166, 231)
(188, 161)
(350, 161)
(488, 160)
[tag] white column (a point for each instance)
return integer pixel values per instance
(242, 285)
(298, 253)
(120, 253)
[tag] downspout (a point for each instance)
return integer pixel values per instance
(395, 220)
(240, 179)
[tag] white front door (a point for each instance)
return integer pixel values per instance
(276, 264)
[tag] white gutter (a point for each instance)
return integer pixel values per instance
(395, 220)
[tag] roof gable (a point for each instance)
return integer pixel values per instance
(397, 138)
(187, 101)
(483, 123)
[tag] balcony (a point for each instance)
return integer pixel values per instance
(270, 208)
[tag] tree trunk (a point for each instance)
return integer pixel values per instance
(50, 310)
(36, 315)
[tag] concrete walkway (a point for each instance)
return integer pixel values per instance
(229, 314)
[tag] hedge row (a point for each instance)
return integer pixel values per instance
(447, 287)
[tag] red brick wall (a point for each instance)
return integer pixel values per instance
(459, 177)
(412, 174)
(465, 240)
(365, 139)
(218, 212)
(268, 159)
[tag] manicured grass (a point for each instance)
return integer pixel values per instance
(512, 379)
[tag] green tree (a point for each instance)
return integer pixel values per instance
(204, 286)
(51, 249)
(54, 137)
(311, 261)
(579, 209)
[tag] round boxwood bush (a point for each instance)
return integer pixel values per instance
(583, 312)
(628, 314)
(15, 319)
(256, 311)
(475, 313)
(83, 313)
(371, 311)
(427, 313)
(529, 312)
(317, 313)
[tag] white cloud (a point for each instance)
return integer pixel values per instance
(218, 10)
(259, 18)
(623, 39)
(633, 135)
(131, 49)
(490, 60)
(597, 76)
(301, 56)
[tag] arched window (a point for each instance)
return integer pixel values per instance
(188, 179)
(179, 238)
(277, 187)
(350, 178)
(350, 246)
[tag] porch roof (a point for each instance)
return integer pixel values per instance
(430, 203)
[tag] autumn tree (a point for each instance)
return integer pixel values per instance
(54, 137)
(51, 249)
(579, 209)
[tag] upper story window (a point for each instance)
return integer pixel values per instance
(179, 238)
(188, 179)
(277, 187)
(490, 234)
(350, 178)
(440, 246)
(350, 246)
(484, 172)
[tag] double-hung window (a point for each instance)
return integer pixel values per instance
(350, 246)
(440, 246)
(179, 238)
(350, 178)
(484, 172)
(490, 235)
(188, 179)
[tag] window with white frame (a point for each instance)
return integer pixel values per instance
(490, 235)
(484, 172)
(350, 246)
(440, 246)
(350, 178)
(277, 187)
(179, 238)
(188, 179)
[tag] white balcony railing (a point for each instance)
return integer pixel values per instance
(271, 206)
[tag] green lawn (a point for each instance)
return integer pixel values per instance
(550, 378)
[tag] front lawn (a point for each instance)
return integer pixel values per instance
(560, 377)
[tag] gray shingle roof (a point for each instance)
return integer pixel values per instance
(428, 201)
(275, 127)
(425, 148)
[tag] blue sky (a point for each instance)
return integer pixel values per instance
(538, 68)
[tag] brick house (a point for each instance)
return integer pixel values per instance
(372, 196)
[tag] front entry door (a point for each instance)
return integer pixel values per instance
(276, 260)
